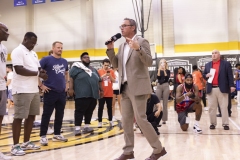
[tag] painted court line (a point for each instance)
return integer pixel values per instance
(235, 124)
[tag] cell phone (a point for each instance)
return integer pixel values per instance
(108, 71)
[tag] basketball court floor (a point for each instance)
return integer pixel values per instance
(106, 143)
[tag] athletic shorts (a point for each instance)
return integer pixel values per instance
(116, 92)
(26, 104)
(182, 115)
(3, 102)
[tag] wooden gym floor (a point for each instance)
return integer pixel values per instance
(106, 143)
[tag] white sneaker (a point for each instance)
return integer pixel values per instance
(44, 141)
(29, 146)
(114, 119)
(50, 131)
(4, 157)
(59, 138)
(99, 124)
(17, 150)
(205, 108)
(112, 123)
(197, 129)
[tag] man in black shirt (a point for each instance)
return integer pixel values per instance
(154, 117)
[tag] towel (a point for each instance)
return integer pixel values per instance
(80, 65)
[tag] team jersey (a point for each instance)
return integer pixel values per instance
(182, 106)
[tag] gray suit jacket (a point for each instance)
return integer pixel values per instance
(137, 64)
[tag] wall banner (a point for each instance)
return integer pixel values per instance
(38, 1)
(56, 0)
(20, 3)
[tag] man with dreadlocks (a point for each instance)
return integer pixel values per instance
(188, 100)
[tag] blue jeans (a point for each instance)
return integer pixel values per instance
(53, 100)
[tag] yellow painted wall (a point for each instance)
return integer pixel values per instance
(205, 47)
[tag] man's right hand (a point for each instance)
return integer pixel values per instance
(208, 75)
(110, 45)
(71, 92)
(188, 94)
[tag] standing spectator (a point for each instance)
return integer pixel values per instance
(162, 91)
(54, 89)
(204, 91)
(9, 85)
(171, 88)
(108, 78)
(132, 60)
(198, 79)
(85, 85)
(237, 79)
(116, 94)
(3, 96)
(25, 92)
(181, 75)
(218, 91)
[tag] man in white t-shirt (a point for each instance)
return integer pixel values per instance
(3, 95)
(25, 92)
(9, 85)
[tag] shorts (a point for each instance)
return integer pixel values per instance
(3, 102)
(10, 95)
(26, 104)
(116, 92)
(182, 115)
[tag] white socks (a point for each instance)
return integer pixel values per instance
(196, 122)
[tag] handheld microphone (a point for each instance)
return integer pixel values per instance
(113, 38)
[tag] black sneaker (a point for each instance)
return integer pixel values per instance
(212, 126)
(226, 127)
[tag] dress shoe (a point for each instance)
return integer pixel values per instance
(125, 157)
(163, 122)
(219, 115)
(226, 127)
(156, 156)
(212, 126)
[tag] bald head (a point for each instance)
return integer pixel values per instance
(215, 55)
(2, 25)
(3, 32)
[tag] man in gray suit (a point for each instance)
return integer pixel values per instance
(132, 60)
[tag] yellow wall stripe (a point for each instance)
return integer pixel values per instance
(159, 49)
(204, 47)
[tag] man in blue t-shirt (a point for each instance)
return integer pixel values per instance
(54, 88)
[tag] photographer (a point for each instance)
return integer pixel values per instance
(108, 78)
(188, 100)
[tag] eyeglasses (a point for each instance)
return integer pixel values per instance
(124, 25)
(3, 57)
